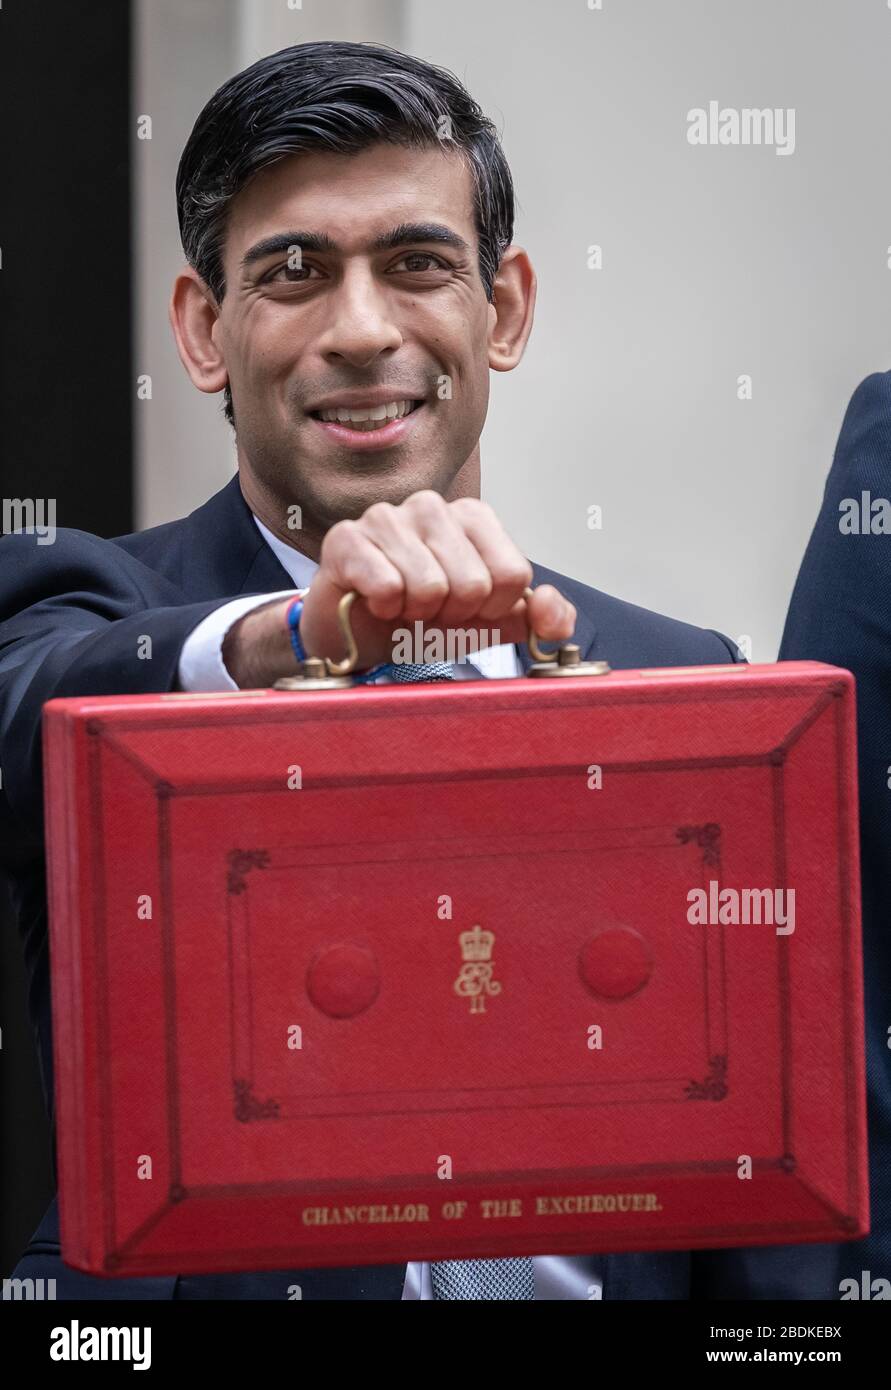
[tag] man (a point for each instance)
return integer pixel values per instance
(346, 213)
(839, 613)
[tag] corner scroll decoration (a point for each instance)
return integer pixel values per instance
(707, 837)
(248, 1107)
(714, 1085)
(241, 861)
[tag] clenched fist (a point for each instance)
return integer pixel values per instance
(448, 564)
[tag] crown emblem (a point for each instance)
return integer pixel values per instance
(477, 944)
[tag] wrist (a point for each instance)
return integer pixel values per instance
(257, 648)
(292, 616)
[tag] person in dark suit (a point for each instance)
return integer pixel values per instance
(840, 612)
(351, 283)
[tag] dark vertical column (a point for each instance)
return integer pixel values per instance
(65, 389)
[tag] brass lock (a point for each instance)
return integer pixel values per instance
(321, 673)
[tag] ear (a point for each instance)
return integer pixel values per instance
(194, 317)
(510, 317)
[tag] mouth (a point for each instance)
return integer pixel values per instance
(369, 427)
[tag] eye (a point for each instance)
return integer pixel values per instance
(293, 275)
(414, 256)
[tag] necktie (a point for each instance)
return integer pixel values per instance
(432, 671)
(469, 1279)
(485, 1280)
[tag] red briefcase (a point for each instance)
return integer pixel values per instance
(481, 968)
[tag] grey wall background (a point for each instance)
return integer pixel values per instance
(717, 261)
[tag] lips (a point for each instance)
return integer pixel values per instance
(365, 427)
(367, 418)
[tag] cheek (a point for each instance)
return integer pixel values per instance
(264, 342)
(260, 360)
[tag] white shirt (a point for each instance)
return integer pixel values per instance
(201, 667)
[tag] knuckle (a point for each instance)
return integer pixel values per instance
(517, 574)
(429, 591)
(475, 507)
(425, 503)
(338, 538)
(386, 589)
(472, 591)
(379, 511)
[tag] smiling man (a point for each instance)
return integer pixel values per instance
(347, 217)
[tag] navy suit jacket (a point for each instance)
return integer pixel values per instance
(71, 616)
(840, 612)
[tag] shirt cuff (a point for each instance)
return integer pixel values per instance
(201, 665)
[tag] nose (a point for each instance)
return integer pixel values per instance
(361, 324)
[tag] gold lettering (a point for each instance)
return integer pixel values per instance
(366, 1216)
(491, 1207)
(594, 1202)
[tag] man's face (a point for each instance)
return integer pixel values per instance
(373, 310)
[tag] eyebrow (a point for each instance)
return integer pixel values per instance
(405, 234)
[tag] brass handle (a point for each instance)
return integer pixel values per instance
(348, 664)
(532, 641)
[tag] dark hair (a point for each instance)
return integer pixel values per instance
(341, 97)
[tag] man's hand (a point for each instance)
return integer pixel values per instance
(449, 564)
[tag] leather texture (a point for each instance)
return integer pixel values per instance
(426, 934)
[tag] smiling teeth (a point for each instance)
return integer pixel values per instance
(371, 418)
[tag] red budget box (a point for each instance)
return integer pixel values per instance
(466, 969)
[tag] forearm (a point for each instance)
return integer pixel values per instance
(257, 647)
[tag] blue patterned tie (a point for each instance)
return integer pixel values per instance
(483, 1280)
(432, 671)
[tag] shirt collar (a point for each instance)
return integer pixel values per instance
(299, 566)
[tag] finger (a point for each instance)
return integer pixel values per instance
(468, 577)
(350, 559)
(425, 583)
(510, 571)
(550, 615)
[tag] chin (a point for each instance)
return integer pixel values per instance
(357, 492)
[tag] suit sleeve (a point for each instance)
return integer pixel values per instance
(79, 617)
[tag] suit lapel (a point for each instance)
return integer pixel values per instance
(225, 554)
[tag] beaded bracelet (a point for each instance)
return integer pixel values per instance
(295, 608)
